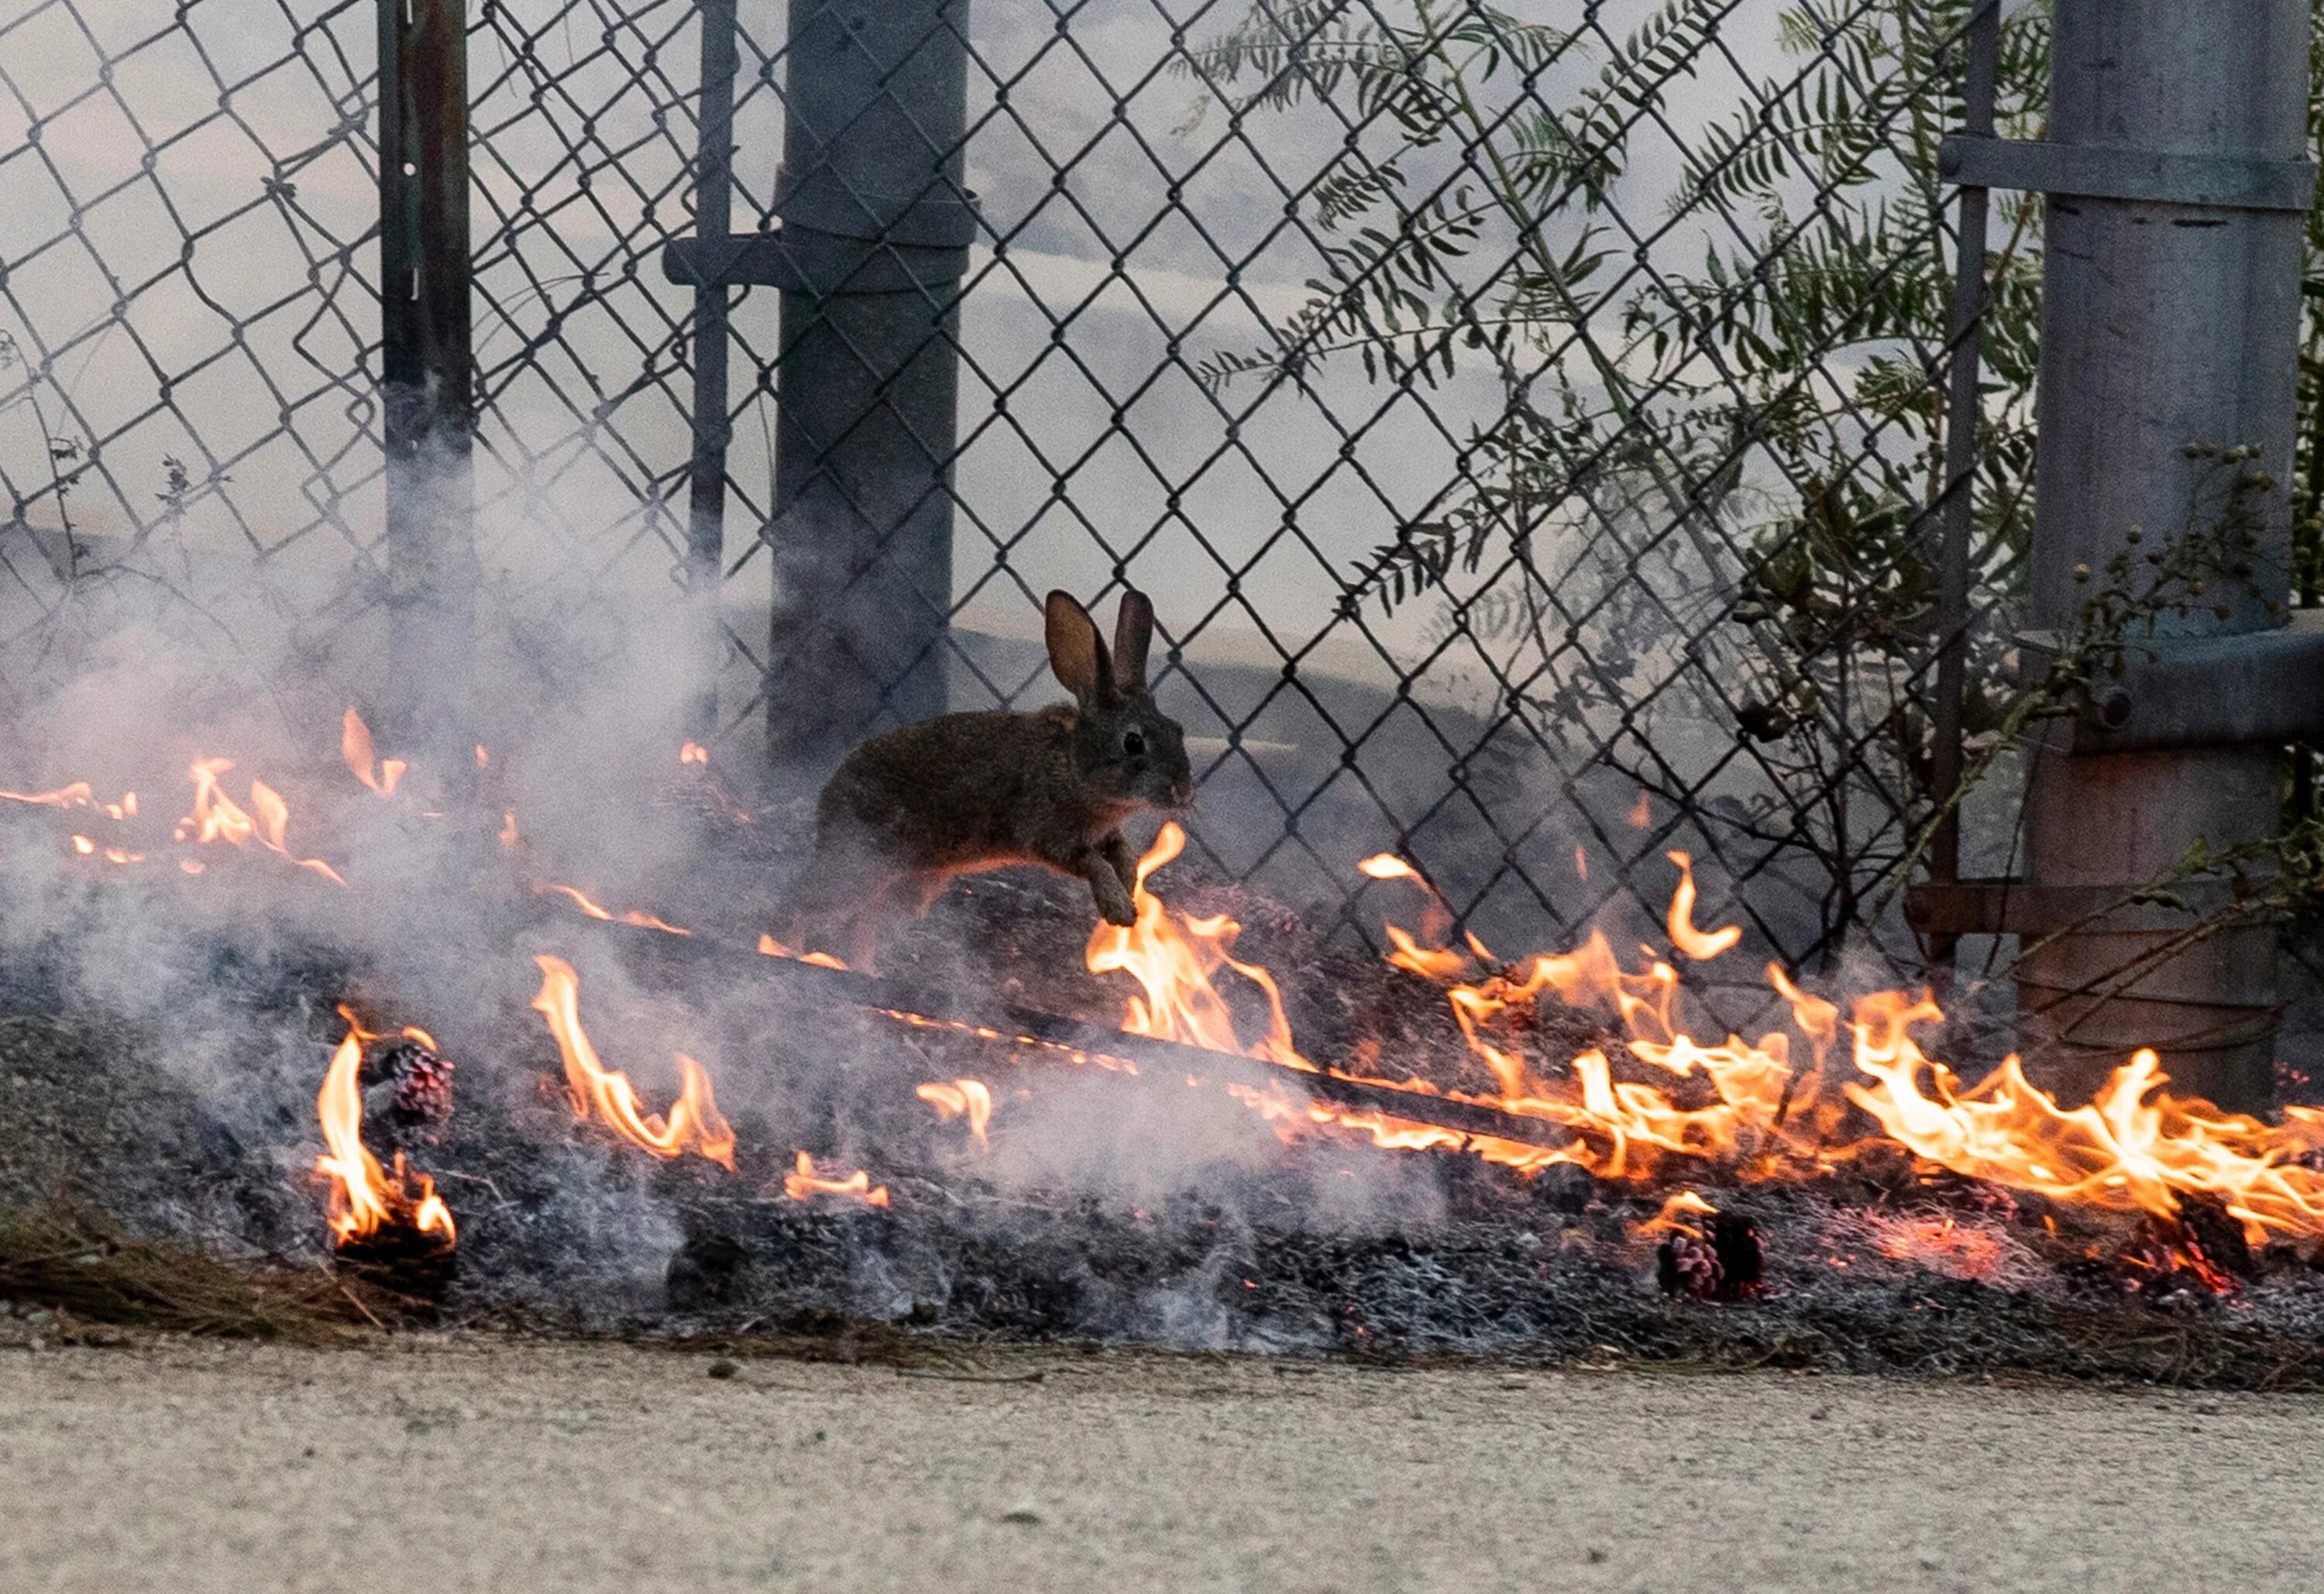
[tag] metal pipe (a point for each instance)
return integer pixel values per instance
(2167, 322)
(1963, 407)
(713, 214)
(425, 374)
(874, 217)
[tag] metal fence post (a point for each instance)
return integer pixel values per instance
(877, 226)
(713, 212)
(426, 369)
(2177, 183)
(1982, 46)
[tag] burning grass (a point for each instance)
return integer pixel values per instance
(1449, 1153)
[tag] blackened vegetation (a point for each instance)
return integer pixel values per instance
(1321, 1247)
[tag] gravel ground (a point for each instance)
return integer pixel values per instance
(517, 1467)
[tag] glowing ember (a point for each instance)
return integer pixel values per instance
(694, 1124)
(964, 1098)
(366, 1202)
(694, 752)
(1173, 958)
(770, 947)
(804, 1183)
(355, 747)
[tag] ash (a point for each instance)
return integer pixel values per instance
(1105, 1208)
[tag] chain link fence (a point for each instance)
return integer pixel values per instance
(1531, 422)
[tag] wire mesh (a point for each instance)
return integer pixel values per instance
(1529, 421)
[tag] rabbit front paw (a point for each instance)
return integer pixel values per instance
(1113, 899)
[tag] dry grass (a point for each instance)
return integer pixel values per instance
(78, 1266)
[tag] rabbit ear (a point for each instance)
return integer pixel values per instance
(1075, 651)
(1133, 633)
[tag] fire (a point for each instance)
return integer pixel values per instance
(694, 752)
(2134, 1149)
(78, 795)
(695, 1123)
(964, 1098)
(804, 1183)
(770, 947)
(1697, 944)
(365, 1200)
(1174, 959)
(217, 817)
(1678, 1215)
(642, 919)
(355, 747)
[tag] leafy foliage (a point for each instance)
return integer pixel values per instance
(1718, 466)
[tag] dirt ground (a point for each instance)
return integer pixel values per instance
(516, 1467)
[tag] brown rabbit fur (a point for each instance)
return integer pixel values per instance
(965, 792)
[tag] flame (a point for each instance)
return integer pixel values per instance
(1697, 944)
(695, 1123)
(355, 747)
(509, 837)
(1174, 959)
(694, 752)
(1677, 1216)
(642, 920)
(804, 1183)
(964, 1098)
(364, 1199)
(2135, 1148)
(217, 817)
(770, 947)
(1642, 813)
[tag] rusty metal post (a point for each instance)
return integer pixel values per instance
(878, 226)
(426, 369)
(2177, 172)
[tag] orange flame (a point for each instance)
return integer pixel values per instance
(1677, 1216)
(964, 1098)
(364, 1199)
(770, 947)
(355, 747)
(695, 1123)
(642, 919)
(694, 752)
(804, 1183)
(1174, 959)
(217, 817)
(78, 795)
(2135, 1148)
(1696, 944)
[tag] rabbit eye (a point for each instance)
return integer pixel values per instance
(1133, 742)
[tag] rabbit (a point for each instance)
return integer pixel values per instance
(962, 793)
